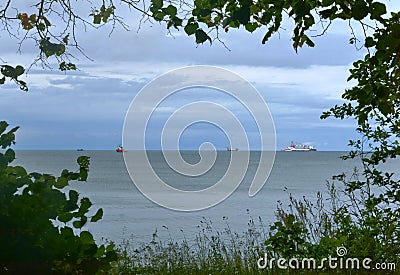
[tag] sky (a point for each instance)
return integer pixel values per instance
(86, 108)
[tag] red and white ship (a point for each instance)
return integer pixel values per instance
(299, 148)
(120, 149)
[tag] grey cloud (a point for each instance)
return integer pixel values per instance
(152, 44)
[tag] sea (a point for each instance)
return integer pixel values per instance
(129, 215)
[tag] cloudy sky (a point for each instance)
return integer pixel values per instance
(86, 108)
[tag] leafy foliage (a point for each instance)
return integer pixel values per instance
(216, 15)
(288, 238)
(367, 222)
(314, 229)
(202, 19)
(41, 224)
(375, 104)
(13, 73)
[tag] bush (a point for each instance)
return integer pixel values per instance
(316, 230)
(41, 225)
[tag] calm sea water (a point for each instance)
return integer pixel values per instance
(130, 215)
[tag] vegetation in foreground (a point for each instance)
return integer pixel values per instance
(41, 231)
(41, 223)
(303, 230)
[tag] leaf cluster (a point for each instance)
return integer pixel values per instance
(13, 73)
(315, 229)
(206, 16)
(102, 15)
(202, 19)
(41, 223)
(374, 102)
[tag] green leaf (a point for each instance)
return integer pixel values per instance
(83, 161)
(60, 49)
(81, 223)
(73, 196)
(97, 19)
(65, 217)
(3, 126)
(309, 21)
(395, 28)
(8, 71)
(267, 35)
(83, 174)
(41, 27)
(21, 172)
(191, 28)
(100, 251)
(67, 232)
(19, 70)
(3, 162)
(201, 36)
(97, 216)
(61, 183)
(86, 237)
(326, 3)
(85, 205)
(226, 22)
(8, 138)
(328, 13)
(49, 48)
(22, 85)
(171, 10)
(35, 175)
(77, 224)
(251, 27)
(177, 22)
(378, 9)
(67, 66)
(65, 39)
(309, 42)
(359, 10)
(204, 12)
(385, 107)
(158, 15)
(157, 4)
(32, 18)
(369, 42)
(107, 13)
(242, 15)
(301, 10)
(10, 155)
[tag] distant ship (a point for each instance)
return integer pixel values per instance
(299, 148)
(120, 149)
(231, 149)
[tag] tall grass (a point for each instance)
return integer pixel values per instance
(303, 229)
(212, 251)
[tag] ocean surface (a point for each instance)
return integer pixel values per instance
(130, 215)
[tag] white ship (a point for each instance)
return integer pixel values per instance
(299, 148)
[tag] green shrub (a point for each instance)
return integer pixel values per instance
(316, 230)
(41, 225)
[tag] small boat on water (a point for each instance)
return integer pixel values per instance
(120, 149)
(79, 150)
(231, 149)
(299, 148)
